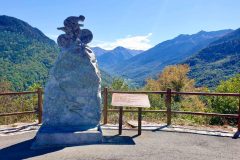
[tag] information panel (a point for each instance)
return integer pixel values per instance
(130, 100)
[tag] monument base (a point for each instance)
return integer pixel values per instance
(48, 137)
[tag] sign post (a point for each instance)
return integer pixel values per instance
(130, 100)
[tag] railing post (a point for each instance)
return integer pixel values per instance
(168, 106)
(40, 105)
(105, 105)
(120, 121)
(139, 121)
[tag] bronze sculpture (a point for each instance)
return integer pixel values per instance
(73, 32)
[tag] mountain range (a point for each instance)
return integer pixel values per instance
(212, 56)
(98, 51)
(114, 57)
(26, 56)
(151, 62)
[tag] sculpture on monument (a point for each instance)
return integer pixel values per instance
(71, 108)
(73, 32)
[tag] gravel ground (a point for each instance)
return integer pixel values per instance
(151, 145)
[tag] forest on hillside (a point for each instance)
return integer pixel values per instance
(174, 77)
(26, 55)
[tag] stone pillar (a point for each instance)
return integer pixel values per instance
(71, 108)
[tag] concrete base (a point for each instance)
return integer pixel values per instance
(66, 136)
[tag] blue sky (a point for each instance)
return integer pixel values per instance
(135, 24)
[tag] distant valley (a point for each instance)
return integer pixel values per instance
(111, 58)
(182, 49)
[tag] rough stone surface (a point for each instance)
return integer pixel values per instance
(72, 95)
(71, 108)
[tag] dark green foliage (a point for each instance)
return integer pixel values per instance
(119, 84)
(26, 54)
(226, 105)
(106, 79)
(26, 65)
(219, 61)
(14, 25)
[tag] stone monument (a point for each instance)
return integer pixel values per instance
(71, 108)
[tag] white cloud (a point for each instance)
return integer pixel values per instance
(141, 42)
(131, 42)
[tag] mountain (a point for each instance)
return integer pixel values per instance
(152, 61)
(106, 79)
(14, 25)
(98, 51)
(220, 60)
(113, 57)
(26, 54)
(134, 52)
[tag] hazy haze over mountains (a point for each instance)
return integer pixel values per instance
(114, 57)
(151, 62)
(98, 51)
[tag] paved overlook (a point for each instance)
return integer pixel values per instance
(151, 145)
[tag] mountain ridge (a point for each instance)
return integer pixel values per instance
(218, 61)
(152, 61)
(13, 24)
(115, 56)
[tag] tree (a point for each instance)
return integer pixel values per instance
(174, 77)
(226, 105)
(119, 84)
(5, 86)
